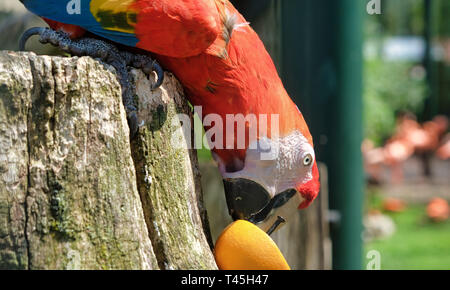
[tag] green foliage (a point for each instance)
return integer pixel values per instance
(442, 10)
(390, 87)
(399, 17)
(402, 17)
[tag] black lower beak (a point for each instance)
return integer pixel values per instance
(245, 198)
(248, 200)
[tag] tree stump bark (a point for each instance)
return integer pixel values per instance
(74, 192)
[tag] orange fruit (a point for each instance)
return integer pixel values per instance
(244, 246)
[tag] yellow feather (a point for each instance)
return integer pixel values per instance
(116, 15)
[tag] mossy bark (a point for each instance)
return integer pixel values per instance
(168, 178)
(71, 194)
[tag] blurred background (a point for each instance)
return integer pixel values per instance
(372, 79)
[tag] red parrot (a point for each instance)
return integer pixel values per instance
(224, 69)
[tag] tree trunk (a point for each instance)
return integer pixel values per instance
(74, 192)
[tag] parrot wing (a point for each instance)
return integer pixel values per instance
(180, 28)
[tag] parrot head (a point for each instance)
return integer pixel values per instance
(278, 175)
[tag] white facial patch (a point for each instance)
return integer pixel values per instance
(286, 170)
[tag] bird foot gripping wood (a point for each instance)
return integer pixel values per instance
(107, 53)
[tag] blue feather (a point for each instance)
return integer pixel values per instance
(61, 11)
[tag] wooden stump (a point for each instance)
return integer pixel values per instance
(74, 193)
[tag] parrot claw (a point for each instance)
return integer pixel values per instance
(107, 53)
(28, 34)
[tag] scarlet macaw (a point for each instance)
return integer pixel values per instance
(226, 70)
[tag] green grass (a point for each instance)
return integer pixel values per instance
(417, 243)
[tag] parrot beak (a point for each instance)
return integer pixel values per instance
(248, 200)
(245, 198)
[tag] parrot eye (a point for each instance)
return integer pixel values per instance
(307, 160)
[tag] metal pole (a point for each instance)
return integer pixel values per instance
(322, 71)
(345, 164)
